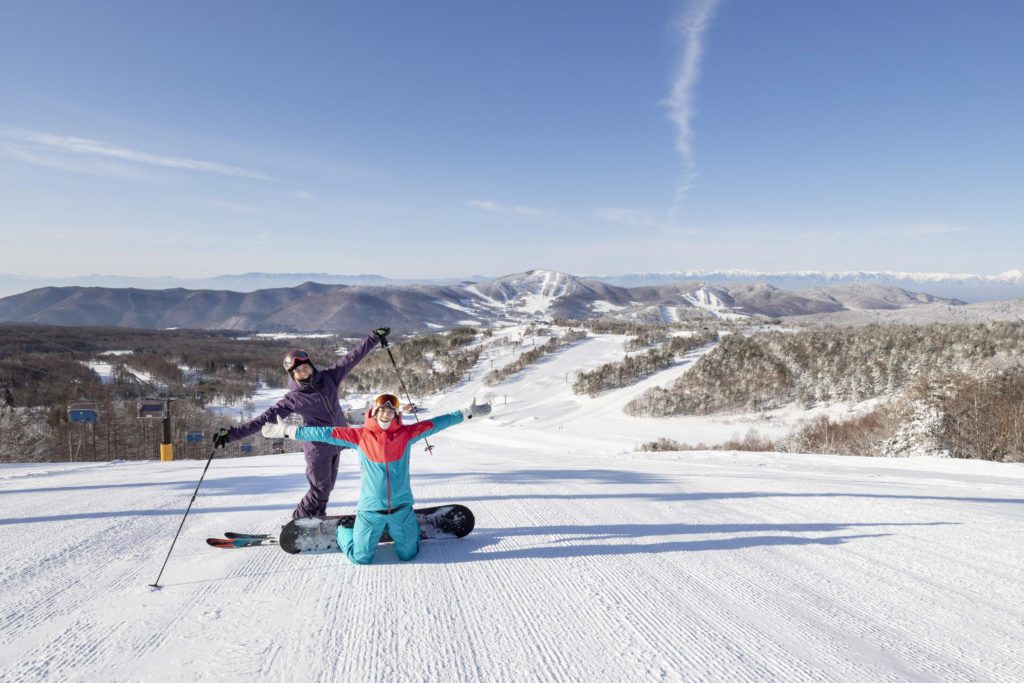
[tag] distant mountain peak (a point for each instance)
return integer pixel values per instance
(548, 283)
(733, 273)
(534, 294)
(963, 286)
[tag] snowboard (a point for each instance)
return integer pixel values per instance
(317, 534)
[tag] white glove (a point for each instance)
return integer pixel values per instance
(279, 430)
(476, 410)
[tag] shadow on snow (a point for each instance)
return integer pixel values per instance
(588, 541)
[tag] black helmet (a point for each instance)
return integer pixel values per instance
(295, 358)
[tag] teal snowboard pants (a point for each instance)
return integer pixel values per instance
(360, 542)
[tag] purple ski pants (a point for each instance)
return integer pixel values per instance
(321, 473)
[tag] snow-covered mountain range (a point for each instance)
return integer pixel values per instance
(240, 282)
(538, 294)
(964, 286)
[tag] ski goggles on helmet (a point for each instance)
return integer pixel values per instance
(386, 401)
(295, 358)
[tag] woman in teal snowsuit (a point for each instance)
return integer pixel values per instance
(385, 496)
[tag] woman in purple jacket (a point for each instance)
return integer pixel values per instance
(313, 394)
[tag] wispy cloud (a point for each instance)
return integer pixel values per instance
(60, 162)
(691, 26)
(487, 205)
(643, 219)
(39, 147)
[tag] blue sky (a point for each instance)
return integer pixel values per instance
(416, 139)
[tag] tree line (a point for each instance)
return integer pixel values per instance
(44, 368)
(428, 364)
(527, 358)
(955, 390)
(632, 369)
(767, 370)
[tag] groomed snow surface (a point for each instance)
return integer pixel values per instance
(589, 562)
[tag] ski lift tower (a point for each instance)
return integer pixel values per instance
(159, 409)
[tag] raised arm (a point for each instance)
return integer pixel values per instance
(422, 430)
(279, 410)
(344, 366)
(340, 436)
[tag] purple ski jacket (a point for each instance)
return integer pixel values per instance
(317, 402)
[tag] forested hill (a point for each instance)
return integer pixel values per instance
(346, 309)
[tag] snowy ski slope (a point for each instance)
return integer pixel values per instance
(590, 562)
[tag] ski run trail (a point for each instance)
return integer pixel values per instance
(590, 561)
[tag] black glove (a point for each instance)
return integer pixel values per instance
(220, 438)
(382, 334)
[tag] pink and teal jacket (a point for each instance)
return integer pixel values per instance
(383, 455)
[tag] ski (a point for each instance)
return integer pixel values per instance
(240, 542)
(238, 535)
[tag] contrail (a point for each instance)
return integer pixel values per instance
(691, 27)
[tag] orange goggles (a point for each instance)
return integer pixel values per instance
(386, 401)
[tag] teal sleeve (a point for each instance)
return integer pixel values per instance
(442, 422)
(324, 435)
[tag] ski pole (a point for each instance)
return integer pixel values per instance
(387, 347)
(156, 584)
